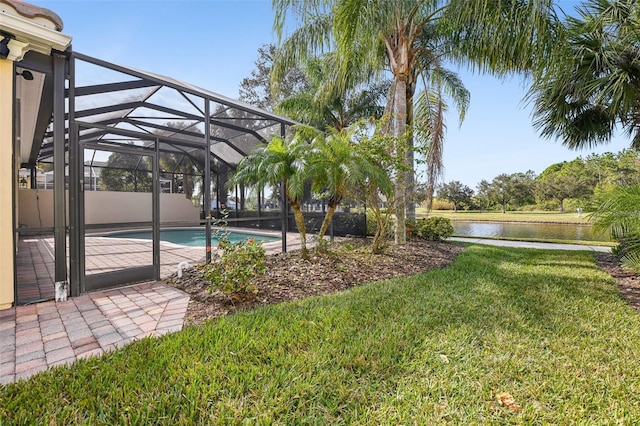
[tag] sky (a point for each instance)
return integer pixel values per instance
(213, 44)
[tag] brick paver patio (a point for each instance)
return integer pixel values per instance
(37, 336)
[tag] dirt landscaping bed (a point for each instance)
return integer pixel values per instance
(289, 278)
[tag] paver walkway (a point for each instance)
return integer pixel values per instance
(39, 336)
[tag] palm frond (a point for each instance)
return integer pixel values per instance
(592, 83)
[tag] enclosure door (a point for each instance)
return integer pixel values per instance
(119, 222)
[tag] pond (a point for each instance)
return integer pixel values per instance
(547, 231)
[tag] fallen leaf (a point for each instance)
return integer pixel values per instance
(506, 400)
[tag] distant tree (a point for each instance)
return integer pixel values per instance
(628, 171)
(483, 195)
(569, 179)
(501, 190)
(457, 193)
(257, 89)
(179, 165)
(506, 190)
(523, 189)
(603, 167)
(127, 173)
(335, 109)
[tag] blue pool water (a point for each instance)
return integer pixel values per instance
(191, 237)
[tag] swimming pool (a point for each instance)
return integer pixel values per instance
(192, 237)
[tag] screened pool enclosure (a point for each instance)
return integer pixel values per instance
(123, 149)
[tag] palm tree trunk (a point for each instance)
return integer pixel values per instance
(399, 124)
(373, 200)
(410, 189)
(327, 220)
(187, 185)
(302, 229)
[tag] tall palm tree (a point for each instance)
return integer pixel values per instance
(377, 36)
(281, 161)
(592, 83)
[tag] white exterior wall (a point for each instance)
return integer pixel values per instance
(106, 207)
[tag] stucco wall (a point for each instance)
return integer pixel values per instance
(29, 201)
(106, 207)
(7, 184)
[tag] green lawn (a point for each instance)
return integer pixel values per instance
(547, 327)
(515, 216)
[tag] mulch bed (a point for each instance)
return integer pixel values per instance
(349, 264)
(288, 277)
(628, 282)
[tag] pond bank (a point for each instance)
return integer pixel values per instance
(531, 244)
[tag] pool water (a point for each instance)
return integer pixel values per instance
(192, 237)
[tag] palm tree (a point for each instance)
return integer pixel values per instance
(281, 161)
(593, 82)
(324, 107)
(412, 39)
(617, 212)
(337, 166)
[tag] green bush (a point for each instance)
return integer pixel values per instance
(433, 228)
(233, 271)
(372, 225)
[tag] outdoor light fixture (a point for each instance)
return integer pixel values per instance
(4, 47)
(26, 74)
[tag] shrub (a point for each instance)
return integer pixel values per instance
(233, 271)
(433, 228)
(438, 204)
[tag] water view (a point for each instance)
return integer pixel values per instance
(528, 230)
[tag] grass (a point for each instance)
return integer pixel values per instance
(547, 327)
(512, 216)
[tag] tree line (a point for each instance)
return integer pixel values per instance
(564, 186)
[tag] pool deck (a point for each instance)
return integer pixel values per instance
(41, 333)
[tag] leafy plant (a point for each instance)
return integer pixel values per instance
(433, 228)
(233, 271)
(617, 213)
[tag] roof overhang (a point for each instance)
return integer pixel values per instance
(37, 33)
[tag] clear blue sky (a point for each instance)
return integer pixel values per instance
(213, 44)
